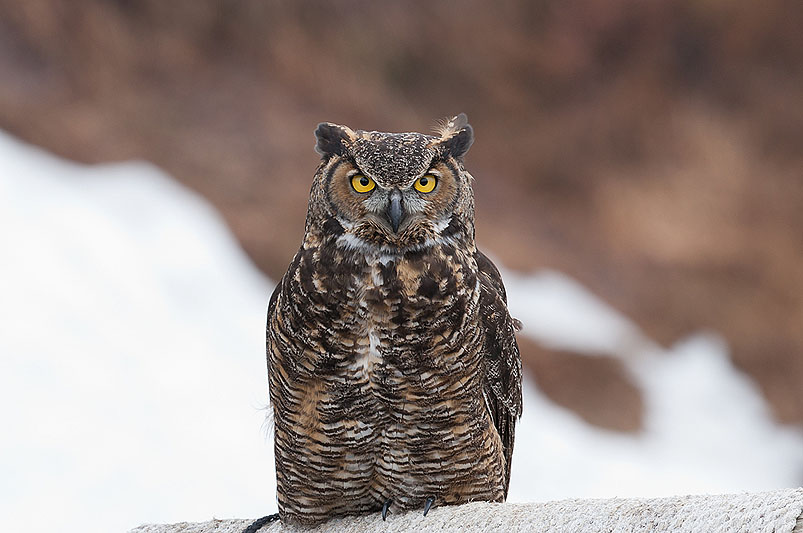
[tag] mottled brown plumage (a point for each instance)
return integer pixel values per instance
(393, 368)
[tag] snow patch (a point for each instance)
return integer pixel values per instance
(708, 428)
(132, 349)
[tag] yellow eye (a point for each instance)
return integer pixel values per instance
(426, 183)
(362, 183)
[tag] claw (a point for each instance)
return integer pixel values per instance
(256, 525)
(428, 504)
(385, 508)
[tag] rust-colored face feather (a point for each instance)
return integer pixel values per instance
(394, 191)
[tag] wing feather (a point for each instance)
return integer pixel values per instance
(502, 385)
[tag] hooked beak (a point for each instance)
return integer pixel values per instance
(395, 211)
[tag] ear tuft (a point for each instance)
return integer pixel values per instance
(449, 126)
(332, 139)
(456, 136)
(459, 143)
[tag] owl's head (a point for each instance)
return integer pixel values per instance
(392, 192)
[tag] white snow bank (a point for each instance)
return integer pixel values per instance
(708, 429)
(132, 369)
(132, 345)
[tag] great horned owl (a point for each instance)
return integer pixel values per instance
(394, 374)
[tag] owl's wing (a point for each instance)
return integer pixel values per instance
(271, 310)
(502, 385)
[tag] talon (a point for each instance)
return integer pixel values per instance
(256, 525)
(428, 504)
(385, 508)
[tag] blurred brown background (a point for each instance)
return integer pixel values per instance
(652, 150)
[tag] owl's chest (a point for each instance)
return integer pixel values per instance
(394, 317)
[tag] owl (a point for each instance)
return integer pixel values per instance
(393, 368)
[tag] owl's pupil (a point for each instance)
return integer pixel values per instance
(364, 181)
(423, 182)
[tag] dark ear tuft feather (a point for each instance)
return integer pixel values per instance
(459, 143)
(456, 136)
(332, 139)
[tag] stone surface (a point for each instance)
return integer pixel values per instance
(767, 512)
